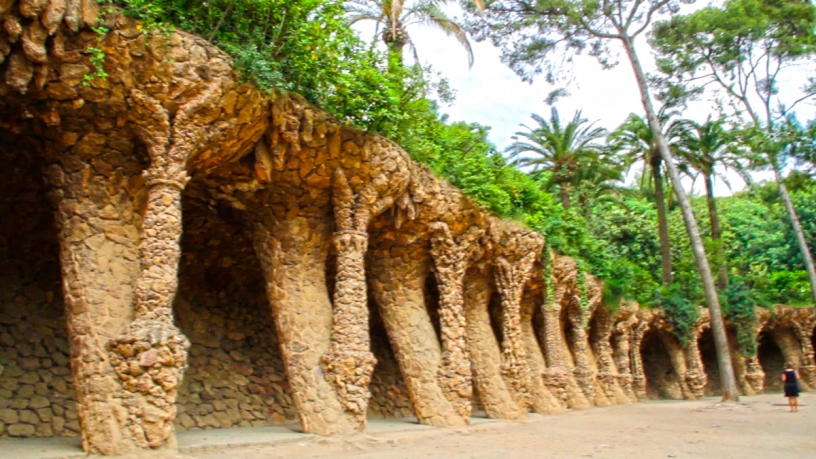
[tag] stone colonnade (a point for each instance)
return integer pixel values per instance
(519, 326)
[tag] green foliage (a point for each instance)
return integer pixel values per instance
(305, 46)
(679, 311)
(739, 307)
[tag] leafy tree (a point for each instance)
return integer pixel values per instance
(706, 148)
(745, 48)
(396, 16)
(562, 150)
(635, 140)
(531, 31)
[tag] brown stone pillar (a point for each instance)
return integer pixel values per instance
(99, 237)
(622, 339)
(607, 376)
(695, 376)
(512, 270)
(451, 257)
(754, 376)
(636, 358)
(293, 256)
(349, 364)
(543, 401)
(397, 279)
(802, 326)
(485, 352)
(584, 375)
(150, 356)
(559, 377)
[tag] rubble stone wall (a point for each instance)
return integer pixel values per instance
(36, 393)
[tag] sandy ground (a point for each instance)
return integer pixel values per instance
(758, 427)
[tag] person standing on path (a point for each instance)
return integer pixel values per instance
(791, 379)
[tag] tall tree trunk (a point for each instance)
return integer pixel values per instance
(797, 229)
(663, 224)
(729, 382)
(395, 40)
(716, 234)
(565, 195)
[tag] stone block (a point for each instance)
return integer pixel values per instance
(29, 417)
(58, 424)
(20, 430)
(38, 401)
(9, 416)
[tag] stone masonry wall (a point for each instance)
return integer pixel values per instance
(36, 396)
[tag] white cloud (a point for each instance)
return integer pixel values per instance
(493, 95)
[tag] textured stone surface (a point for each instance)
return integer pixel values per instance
(307, 271)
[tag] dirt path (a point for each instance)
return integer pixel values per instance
(760, 427)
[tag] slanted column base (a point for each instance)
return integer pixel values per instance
(150, 358)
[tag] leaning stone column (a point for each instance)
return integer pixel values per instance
(397, 276)
(583, 372)
(622, 338)
(543, 401)
(802, 326)
(636, 358)
(485, 352)
(754, 376)
(607, 376)
(150, 356)
(559, 377)
(451, 258)
(292, 254)
(99, 260)
(515, 255)
(695, 376)
(349, 364)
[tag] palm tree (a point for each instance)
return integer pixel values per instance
(705, 148)
(635, 138)
(396, 16)
(560, 150)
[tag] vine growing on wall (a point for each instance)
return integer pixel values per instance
(547, 268)
(741, 312)
(680, 313)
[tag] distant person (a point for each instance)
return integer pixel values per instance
(791, 378)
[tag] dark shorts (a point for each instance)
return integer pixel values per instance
(791, 390)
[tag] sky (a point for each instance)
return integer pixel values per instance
(491, 94)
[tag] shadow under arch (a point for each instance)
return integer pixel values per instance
(708, 354)
(35, 374)
(662, 380)
(772, 361)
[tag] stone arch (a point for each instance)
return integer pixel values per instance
(37, 396)
(389, 396)
(568, 330)
(432, 302)
(771, 359)
(236, 375)
(662, 379)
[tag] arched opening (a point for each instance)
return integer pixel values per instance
(235, 375)
(569, 333)
(431, 295)
(494, 308)
(36, 392)
(662, 381)
(772, 361)
(708, 353)
(389, 396)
